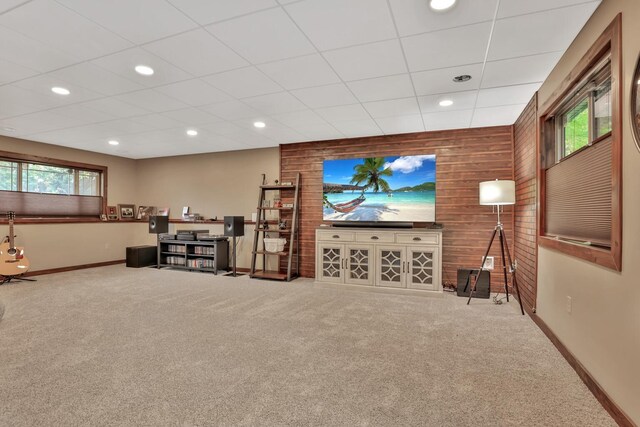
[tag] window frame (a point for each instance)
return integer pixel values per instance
(77, 166)
(608, 43)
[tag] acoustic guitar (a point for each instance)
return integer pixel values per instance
(12, 259)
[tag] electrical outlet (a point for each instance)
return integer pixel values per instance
(488, 264)
(569, 304)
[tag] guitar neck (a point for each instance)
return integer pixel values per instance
(11, 245)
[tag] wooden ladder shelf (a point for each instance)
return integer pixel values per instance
(289, 194)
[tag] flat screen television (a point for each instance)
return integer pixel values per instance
(380, 189)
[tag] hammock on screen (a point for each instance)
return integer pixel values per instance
(347, 206)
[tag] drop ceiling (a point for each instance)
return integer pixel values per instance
(309, 69)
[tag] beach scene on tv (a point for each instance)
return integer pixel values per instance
(396, 188)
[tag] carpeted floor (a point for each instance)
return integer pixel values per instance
(117, 346)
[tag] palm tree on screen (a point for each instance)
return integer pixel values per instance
(370, 174)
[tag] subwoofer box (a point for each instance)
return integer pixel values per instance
(158, 224)
(141, 256)
(483, 287)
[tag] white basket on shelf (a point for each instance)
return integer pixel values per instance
(274, 245)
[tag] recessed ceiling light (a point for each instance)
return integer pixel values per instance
(114, 142)
(144, 70)
(60, 90)
(461, 79)
(441, 5)
(259, 124)
(446, 103)
(192, 132)
(7, 129)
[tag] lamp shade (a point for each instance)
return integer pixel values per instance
(498, 192)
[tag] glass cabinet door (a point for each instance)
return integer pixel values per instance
(359, 264)
(331, 263)
(391, 266)
(421, 272)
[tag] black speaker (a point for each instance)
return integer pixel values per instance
(234, 226)
(141, 256)
(483, 287)
(158, 224)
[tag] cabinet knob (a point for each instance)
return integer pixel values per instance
(335, 236)
(374, 237)
(416, 239)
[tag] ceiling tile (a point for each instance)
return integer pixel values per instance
(368, 61)
(447, 48)
(207, 11)
(392, 108)
(8, 4)
(299, 118)
(20, 49)
(402, 124)
(520, 94)
(138, 21)
(151, 100)
(95, 78)
(275, 103)
(123, 64)
(325, 96)
(243, 82)
(521, 7)
(377, 89)
(441, 81)
(415, 16)
(43, 83)
(16, 101)
(332, 24)
(194, 92)
(528, 69)
(192, 116)
(187, 51)
(115, 107)
(461, 101)
(542, 32)
(158, 122)
(304, 71)
(83, 113)
(496, 116)
(55, 25)
(447, 120)
(318, 131)
(41, 121)
(357, 128)
(263, 36)
(10, 72)
(125, 126)
(231, 110)
(343, 113)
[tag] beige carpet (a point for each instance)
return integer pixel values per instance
(117, 346)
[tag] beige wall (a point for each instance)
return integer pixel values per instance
(213, 185)
(63, 245)
(603, 330)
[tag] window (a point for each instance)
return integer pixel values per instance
(35, 186)
(581, 158)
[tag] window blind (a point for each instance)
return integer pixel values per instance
(578, 196)
(37, 204)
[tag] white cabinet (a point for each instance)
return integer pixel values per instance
(345, 263)
(380, 257)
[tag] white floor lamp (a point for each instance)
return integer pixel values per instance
(499, 193)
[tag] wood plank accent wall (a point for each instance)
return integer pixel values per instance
(465, 157)
(526, 248)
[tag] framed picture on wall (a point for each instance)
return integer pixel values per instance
(126, 211)
(112, 213)
(144, 212)
(163, 212)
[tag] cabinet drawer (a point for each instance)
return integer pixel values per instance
(335, 236)
(417, 238)
(373, 237)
